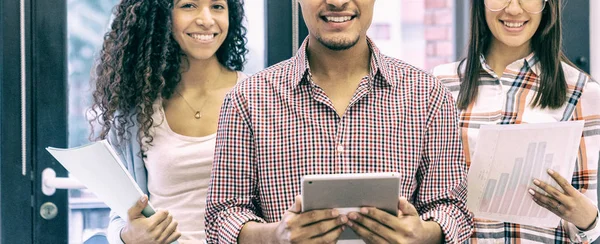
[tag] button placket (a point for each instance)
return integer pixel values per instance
(341, 149)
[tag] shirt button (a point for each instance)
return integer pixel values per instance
(340, 149)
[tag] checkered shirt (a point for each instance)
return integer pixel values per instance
(278, 125)
(506, 100)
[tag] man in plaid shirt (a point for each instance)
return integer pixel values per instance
(339, 106)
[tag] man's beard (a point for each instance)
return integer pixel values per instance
(338, 44)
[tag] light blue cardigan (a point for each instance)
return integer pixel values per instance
(129, 151)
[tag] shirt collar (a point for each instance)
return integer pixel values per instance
(379, 73)
(530, 60)
(533, 62)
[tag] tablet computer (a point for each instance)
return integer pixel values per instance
(348, 192)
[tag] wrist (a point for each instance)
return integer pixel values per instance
(272, 236)
(122, 234)
(589, 226)
(433, 232)
(255, 232)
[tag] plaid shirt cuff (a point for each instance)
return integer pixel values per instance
(446, 222)
(230, 228)
(584, 236)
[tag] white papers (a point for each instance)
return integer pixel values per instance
(506, 160)
(98, 167)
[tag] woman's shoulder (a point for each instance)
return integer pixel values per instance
(589, 88)
(447, 74)
(446, 71)
(576, 78)
(573, 75)
(591, 93)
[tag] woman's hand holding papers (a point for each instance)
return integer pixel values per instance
(569, 204)
(377, 226)
(158, 228)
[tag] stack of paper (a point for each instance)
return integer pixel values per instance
(506, 160)
(99, 168)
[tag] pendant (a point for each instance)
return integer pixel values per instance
(198, 115)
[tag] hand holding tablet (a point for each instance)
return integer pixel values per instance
(370, 205)
(348, 192)
(376, 226)
(318, 226)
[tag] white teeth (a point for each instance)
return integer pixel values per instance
(338, 19)
(202, 37)
(513, 24)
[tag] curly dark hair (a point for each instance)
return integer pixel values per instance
(140, 61)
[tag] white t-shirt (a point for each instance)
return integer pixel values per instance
(179, 170)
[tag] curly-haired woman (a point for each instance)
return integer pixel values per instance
(162, 75)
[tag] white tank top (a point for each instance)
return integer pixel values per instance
(179, 170)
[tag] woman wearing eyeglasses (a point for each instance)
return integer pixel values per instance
(515, 72)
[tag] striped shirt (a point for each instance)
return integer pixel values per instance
(278, 125)
(506, 100)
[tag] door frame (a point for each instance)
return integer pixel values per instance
(16, 215)
(43, 101)
(279, 35)
(576, 33)
(49, 112)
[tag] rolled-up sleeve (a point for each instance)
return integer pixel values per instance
(113, 232)
(232, 193)
(442, 175)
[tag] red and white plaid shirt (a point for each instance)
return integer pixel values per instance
(278, 125)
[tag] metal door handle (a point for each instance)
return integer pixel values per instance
(50, 182)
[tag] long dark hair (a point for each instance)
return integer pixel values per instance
(140, 61)
(546, 43)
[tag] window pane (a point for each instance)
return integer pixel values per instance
(255, 22)
(88, 20)
(420, 32)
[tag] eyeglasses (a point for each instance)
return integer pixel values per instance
(530, 6)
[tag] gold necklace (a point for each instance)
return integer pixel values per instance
(198, 113)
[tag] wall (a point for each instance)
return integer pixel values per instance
(439, 32)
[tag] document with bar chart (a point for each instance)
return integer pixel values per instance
(506, 160)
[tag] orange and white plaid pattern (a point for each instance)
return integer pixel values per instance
(507, 100)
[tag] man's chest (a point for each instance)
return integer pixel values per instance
(312, 139)
(288, 149)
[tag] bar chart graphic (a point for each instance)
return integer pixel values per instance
(506, 162)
